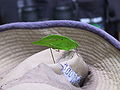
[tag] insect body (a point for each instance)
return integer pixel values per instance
(57, 42)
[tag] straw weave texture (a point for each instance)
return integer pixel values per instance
(99, 54)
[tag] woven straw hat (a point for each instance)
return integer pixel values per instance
(98, 49)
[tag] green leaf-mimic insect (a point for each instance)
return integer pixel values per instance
(57, 42)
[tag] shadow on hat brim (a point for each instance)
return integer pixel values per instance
(98, 49)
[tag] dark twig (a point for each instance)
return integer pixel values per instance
(52, 55)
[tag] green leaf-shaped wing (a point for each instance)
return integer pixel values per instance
(57, 42)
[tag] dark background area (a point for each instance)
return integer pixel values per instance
(101, 13)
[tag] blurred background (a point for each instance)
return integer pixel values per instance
(104, 14)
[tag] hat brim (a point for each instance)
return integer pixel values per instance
(99, 49)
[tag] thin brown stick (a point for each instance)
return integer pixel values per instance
(52, 55)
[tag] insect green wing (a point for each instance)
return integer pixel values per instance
(57, 42)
